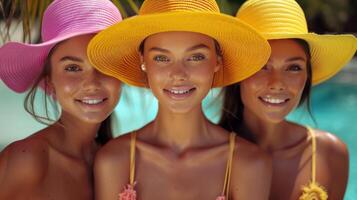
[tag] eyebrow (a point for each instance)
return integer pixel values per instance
(296, 58)
(159, 49)
(292, 59)
(71, 58)
(198, 46)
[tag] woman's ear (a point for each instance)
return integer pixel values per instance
(142, 65)
(219, 64)
(141, 57)
(50, 88)
(143, 68)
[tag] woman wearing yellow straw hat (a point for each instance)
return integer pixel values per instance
(56, 162)
(307, 163)
(180, 49)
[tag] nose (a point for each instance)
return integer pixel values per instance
(179, 72)
(277, 81)
(92, 80)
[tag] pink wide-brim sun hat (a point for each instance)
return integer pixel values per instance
(21, 64)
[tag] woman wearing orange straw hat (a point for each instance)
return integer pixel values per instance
(180, 49)
(56, 162)
(305, 160)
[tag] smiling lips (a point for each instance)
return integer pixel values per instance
(179, 93)
(90, 101)
(275, 101)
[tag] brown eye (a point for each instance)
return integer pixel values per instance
(294, 68)
(197, 57)
(72, 68)
(161, 58)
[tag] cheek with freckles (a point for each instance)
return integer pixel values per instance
(296, 87)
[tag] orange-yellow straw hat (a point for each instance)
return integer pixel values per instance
(114, 51)
(284, 19)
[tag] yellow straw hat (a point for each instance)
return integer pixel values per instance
(114, 51)
(284, 19)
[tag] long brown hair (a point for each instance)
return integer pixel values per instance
(232, 113)
(105, 131)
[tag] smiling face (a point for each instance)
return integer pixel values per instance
(82, 91)
(180, 68)
(273, 92)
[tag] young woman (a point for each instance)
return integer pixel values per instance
(305, 160)
(56, 162)
(173, 49)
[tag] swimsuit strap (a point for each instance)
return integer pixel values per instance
(227, 178)
(313, 161)
(132, 157)
(313, 190)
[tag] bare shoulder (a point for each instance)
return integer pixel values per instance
(111, 167)
(115, 151)
(251, 153)
(252, 160)
(332, 157)
(330, 146)
(23, 162)
(31, 152)
(252, 170)
(114, 157)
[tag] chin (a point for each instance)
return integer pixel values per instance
(274, 118)
(177, 107)
(94, 119)
(180, 110)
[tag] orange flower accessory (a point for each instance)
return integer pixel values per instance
(313, 191)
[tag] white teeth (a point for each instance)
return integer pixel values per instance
(179, 91)
(273, 101)
(92, 101)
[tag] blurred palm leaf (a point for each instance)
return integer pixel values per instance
(229, 7)
(326, 15)
(28, 14)
(323, 15)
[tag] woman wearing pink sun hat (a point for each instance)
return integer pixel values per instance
(56, 162)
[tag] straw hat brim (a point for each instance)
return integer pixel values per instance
(21, 64)
(114, 51)
(329, 53)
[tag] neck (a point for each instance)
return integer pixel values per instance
(181, 131)
(270, 136)
(77, 137)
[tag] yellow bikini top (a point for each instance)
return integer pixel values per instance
(313, 191)
(129, 192)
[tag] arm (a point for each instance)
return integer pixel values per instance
(252, 173)
(111, 170)
(336, 160)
